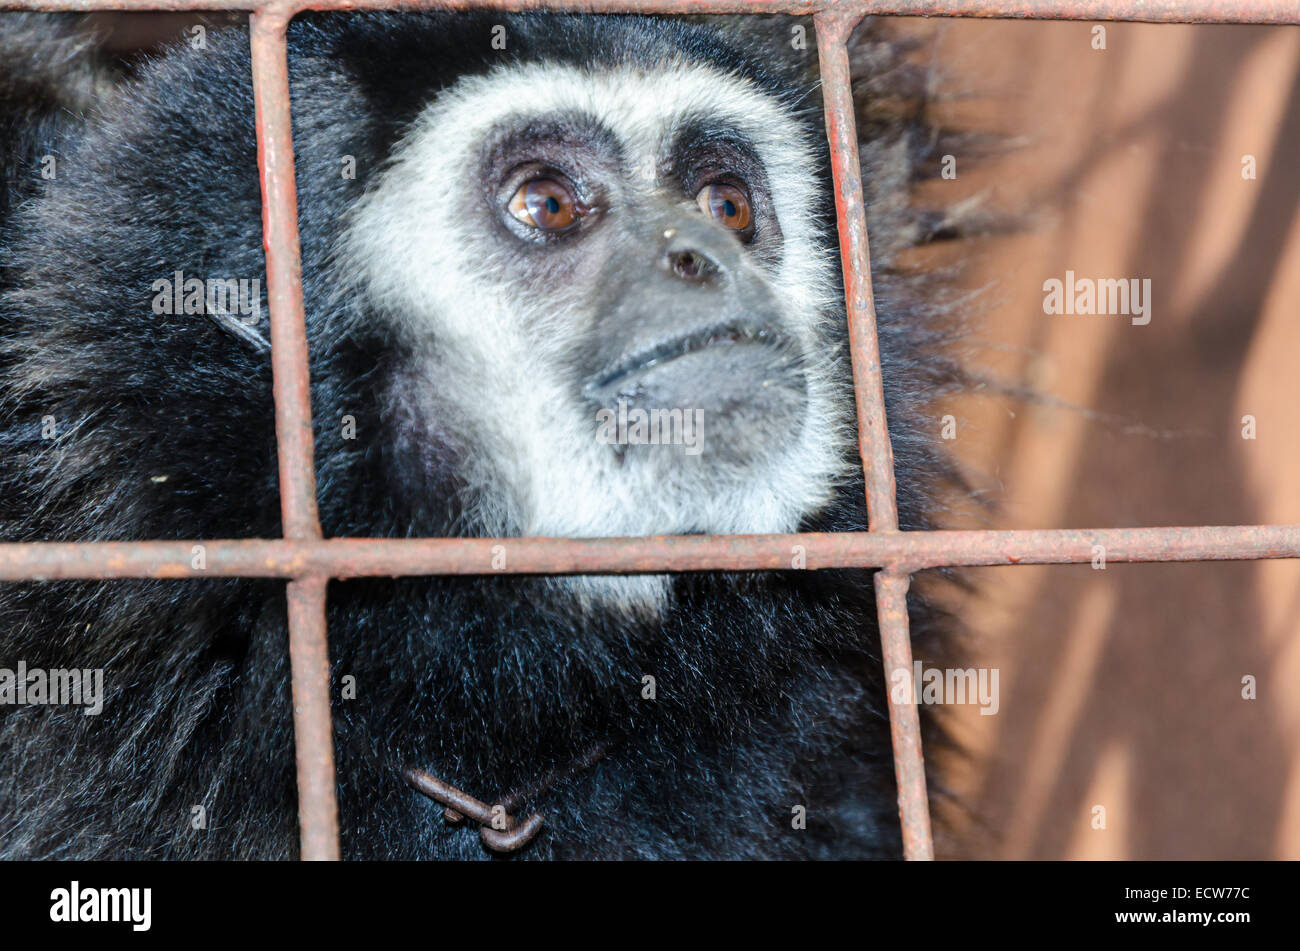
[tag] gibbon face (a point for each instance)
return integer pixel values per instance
(614, 284)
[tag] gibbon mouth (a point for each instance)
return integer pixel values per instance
(730, 335)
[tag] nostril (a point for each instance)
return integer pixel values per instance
(690, 265)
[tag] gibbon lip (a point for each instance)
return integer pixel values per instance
(728, 335)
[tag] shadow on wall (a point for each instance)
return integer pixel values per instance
(1126, 692)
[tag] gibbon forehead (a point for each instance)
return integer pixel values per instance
(679, 266)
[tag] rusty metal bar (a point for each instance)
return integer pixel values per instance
(293, 421)
(864, 350)
(514, 834)
(874, 445)
(1280, 12)
(904, 720)
(308, 639)
(313, 729)
(394, 557)
(1150, 11)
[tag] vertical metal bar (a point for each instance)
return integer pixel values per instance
(904, 719)
(318, 814)
(877, 453)
(873, 435)
(293, 421)
(308, 642)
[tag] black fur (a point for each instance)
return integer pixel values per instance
(769, 688)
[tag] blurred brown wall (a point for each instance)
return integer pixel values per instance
(1123, 687)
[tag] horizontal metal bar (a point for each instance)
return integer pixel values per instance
(1150, 11)
(378, 557)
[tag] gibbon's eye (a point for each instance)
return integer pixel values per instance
(545, 203)
(726, 204)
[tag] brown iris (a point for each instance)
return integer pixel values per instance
(726, 204)
(546, 204)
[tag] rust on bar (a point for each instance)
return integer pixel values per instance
(318, 813)
(514, 834)
(308, 638)
(864, 349)
(293, 422)
(874, 445)
(1280, 12)
(393, 557)
(904, 720)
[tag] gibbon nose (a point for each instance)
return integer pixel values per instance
(682, 307)
(699, 253)
(691, 265)
(693, 323)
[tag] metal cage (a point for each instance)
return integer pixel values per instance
(307, 560)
